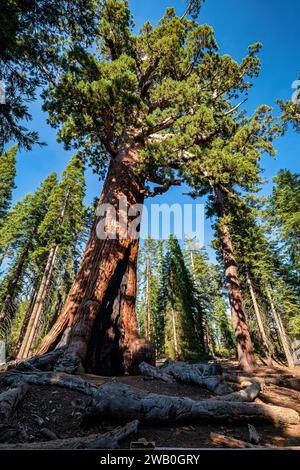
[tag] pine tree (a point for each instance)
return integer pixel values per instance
(182, 304)
(7, 178)
(260, 268)
(59, 232)
(32, 35)
(19, 239)
(283, 214)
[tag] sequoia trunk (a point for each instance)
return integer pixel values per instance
(244, 343)
(91, 304)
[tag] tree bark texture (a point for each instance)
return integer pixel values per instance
(244, 343)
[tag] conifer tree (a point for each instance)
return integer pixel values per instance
(182, 304)
(59, 232)
(32, 35)
(158, 88)
(259, 266)
(283, 215)
(19, 239)
(7, 178)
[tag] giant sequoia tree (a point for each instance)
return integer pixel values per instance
(122, 106)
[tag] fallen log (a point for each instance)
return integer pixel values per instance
(205, 369)
(248, 394)
(155, 372)
(287, 382)
(121, 401)
(109, 440)
(49, 378)
(10, 399)
(198, 374)
(231, 442)
(45, 362)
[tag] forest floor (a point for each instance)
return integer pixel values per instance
(50, 411)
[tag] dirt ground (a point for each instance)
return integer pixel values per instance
(49, 411)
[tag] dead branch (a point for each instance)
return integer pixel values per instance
(109, 440)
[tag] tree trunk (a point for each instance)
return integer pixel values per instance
(244, 343)
(35, 318)
(25, 323)
(281, 330)
(148, 309)
(175, 338)
(265, 340)
(90, 304)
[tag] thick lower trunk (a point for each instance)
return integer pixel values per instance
(244, 343)
(37, 311)
(281, 330)
(265, 340)
(90, 312)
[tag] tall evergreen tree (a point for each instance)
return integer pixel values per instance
(283, 215)
(19, 239)
(59, 232)
(183, 308)
(7, 178)
(32, 35)
(157, 86)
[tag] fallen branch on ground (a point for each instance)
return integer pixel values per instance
(132, 403)
(10, 399)
(246, 395)
(198, 374)
(45, 362)
(109, 440)
(231, 442)
(285, 381)
(156, 373)
(49, 378)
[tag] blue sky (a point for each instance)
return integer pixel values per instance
(237, 23)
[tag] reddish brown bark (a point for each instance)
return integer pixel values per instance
(135, 349)
(90, 308)
(244, 343)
